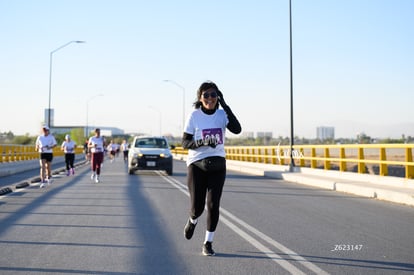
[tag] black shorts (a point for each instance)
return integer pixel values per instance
(47, 156)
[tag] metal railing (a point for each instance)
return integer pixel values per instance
(12, 153)
(361, 158)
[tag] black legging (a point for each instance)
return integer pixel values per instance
(202, 184)
(69, 159)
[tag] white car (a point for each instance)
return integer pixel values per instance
(150, 153)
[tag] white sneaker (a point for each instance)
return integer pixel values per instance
(42, 185)
(93, 176)
(97, 179)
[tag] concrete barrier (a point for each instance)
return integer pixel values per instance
(10, 168)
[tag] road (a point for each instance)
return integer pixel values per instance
(133, 224)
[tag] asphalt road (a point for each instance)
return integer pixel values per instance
(133, 224)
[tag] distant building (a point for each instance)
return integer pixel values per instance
(247, 134)
(324, 132)
(88, 130)
(264, 134)
(105, 131)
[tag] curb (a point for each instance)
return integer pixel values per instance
(36, 179)
(23, 184)
(5, 190)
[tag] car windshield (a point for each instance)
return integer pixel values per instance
(151, 143)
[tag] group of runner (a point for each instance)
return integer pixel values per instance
(94, 149)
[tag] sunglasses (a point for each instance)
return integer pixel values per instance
(212, 94)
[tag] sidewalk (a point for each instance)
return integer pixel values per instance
(392, 189)
(11, 168)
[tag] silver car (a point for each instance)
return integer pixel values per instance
(150, 153)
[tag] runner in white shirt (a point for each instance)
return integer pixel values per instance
(96, 144)
(204, 137)
(111, 148)
(69, 146)
(44, 145)
(125, 149)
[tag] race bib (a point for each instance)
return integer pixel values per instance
(214, 135)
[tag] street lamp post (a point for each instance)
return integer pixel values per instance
(87, 113)
(182, 88)
(50, 74)
(292, 136)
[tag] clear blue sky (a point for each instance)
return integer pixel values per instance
(353, 63)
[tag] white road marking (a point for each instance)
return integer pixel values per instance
(229, 220)
(276, 244)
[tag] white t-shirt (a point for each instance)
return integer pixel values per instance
(112, 147)
(98, 141)
(45, 143)
(69, 147)
(206, 127)
(124, 146)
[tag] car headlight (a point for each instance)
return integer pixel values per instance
(165, 155)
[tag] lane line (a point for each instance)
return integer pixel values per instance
(276, 244)
(267, 251)
(227, 216)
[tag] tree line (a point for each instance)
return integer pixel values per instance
(77, 135)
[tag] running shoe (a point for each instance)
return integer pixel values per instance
(189, 229)
(73, 171)
(93, 176)
(43, 183)
(208, 249)
(97, 179)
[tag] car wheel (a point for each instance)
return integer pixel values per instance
(130, 171)
(169, 171)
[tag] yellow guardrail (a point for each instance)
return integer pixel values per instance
(343, 157)
(11, 153)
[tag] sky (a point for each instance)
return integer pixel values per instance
(352, 64)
